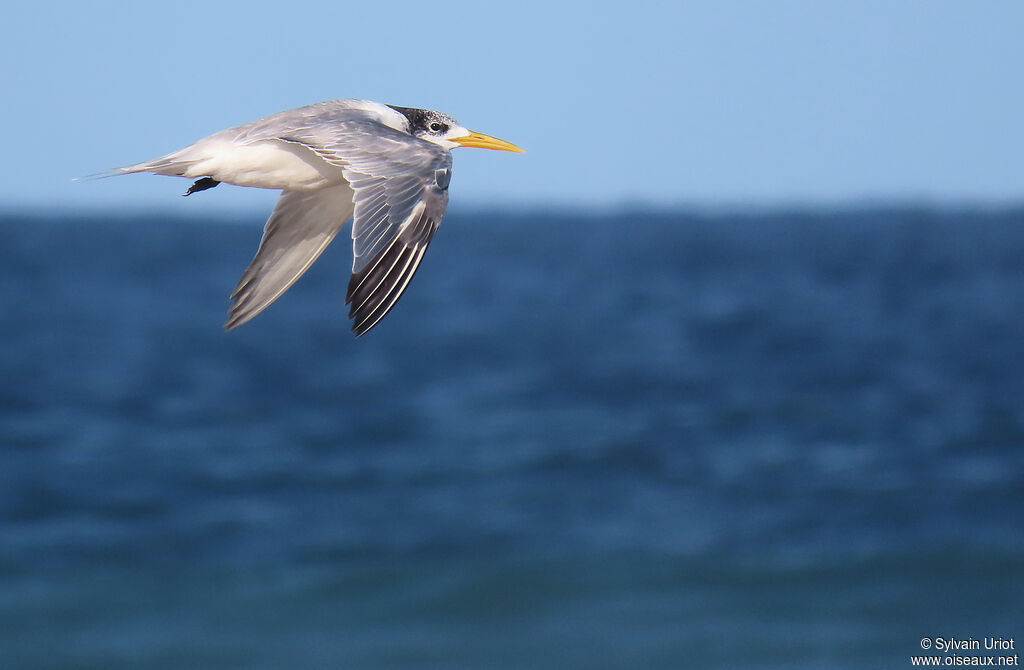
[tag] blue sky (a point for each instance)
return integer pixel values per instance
(711, 103)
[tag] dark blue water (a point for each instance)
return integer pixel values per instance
(618, 441)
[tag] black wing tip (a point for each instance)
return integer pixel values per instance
(360, 299)
(360, 329)
(375, 290)
(235, 319)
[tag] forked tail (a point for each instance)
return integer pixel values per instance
(172, 165)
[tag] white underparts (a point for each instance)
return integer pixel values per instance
(268, 164)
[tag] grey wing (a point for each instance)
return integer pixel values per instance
(302, 225)
(401, 193)
(375, 287)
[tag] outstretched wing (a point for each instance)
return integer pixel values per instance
(302, 225)
(400, 186)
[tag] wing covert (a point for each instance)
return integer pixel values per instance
(400, 186)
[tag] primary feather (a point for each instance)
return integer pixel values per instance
(386, 167)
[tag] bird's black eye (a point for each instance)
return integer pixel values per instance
(437, 127)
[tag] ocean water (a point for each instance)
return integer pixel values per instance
(627, 440)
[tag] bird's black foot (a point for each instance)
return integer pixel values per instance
(201, 185)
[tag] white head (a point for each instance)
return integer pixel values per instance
(445, 131)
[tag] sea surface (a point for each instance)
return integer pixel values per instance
(632, 439)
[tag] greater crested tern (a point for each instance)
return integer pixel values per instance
(386, 167)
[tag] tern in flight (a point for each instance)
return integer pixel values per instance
(385, 167)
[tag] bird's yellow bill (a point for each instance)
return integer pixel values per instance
(485, 142)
